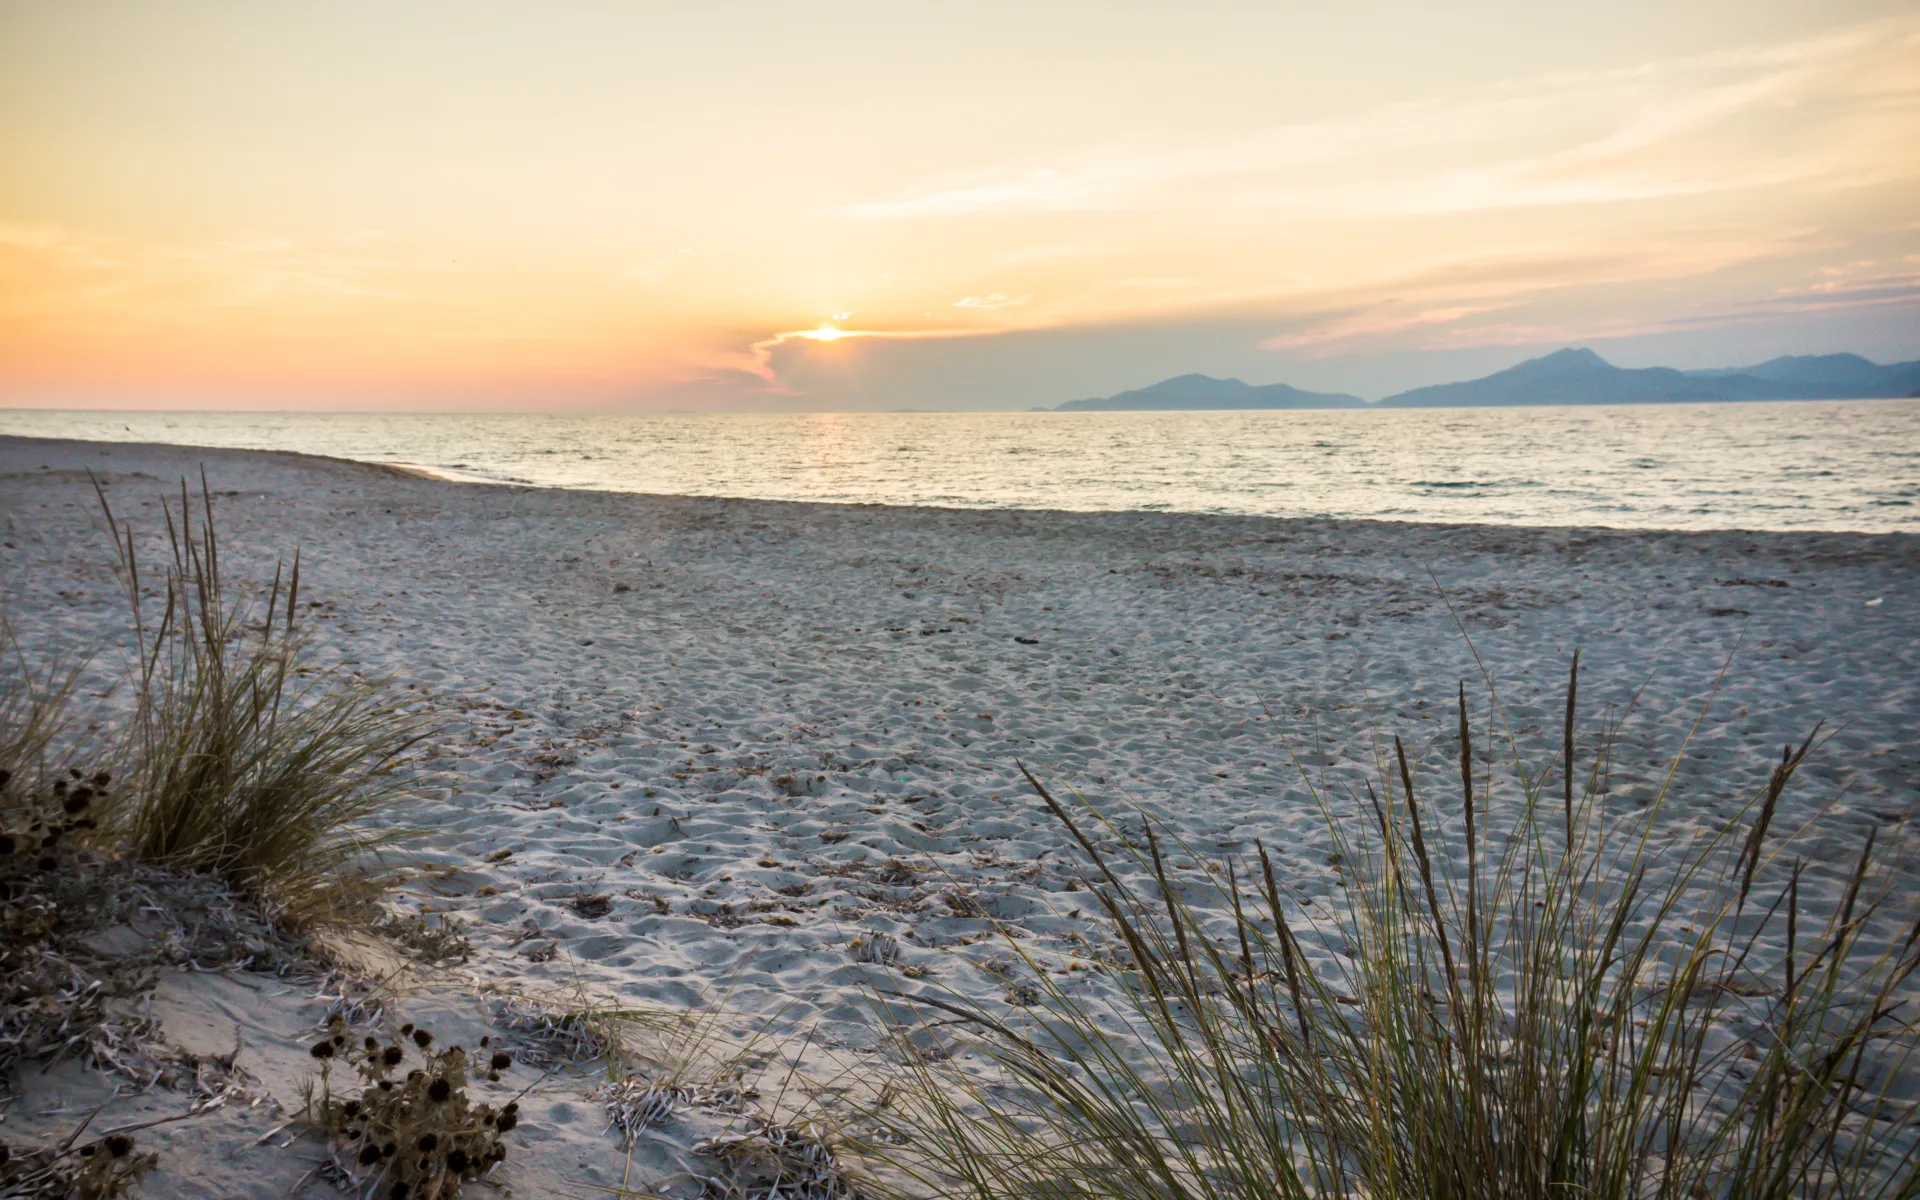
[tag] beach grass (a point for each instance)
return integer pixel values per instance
(36, 712)
(224, 759)
(1552, 999)
(242, 756)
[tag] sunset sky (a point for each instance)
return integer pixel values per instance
(636, 206)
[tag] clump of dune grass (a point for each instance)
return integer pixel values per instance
(65, 991)
(37, 716)
(1515, 1012)
(46, 1001)
(243, 757)
(47, 804)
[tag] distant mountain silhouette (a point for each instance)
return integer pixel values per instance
(1579, 376)
(1583, 377)
(1830, 376)
(1193, 392)
(1570, 376)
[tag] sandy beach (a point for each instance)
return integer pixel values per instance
(694, 748)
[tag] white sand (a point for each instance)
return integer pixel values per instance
(743, 712)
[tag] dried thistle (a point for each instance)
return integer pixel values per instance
(110, 1167)
(415, 1135)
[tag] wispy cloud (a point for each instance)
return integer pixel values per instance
(991, 300)
(1039, 189)
(762, 359)
(1840, 108)
(1891, 292)
(245, 272)
(1374, 322)
(1455, 329)
(49, 272)
(1437, 304)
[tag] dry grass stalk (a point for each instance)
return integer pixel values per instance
(768, 1161)
(36, 716)
(1552, 1026)
(244, 758)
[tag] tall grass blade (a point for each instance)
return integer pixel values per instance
(1602, 1035)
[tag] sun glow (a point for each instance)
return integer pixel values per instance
(826, 333)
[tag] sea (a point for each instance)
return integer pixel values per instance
(1825, 465)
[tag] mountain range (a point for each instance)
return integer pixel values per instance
(1204, 391)
(1570, 376)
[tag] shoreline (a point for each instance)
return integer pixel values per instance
(447, 475)
(1832, 471)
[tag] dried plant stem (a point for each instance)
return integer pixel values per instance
(1554, 1025)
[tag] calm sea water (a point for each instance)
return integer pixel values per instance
(1848, 465)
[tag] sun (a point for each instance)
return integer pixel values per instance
(826, 333)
